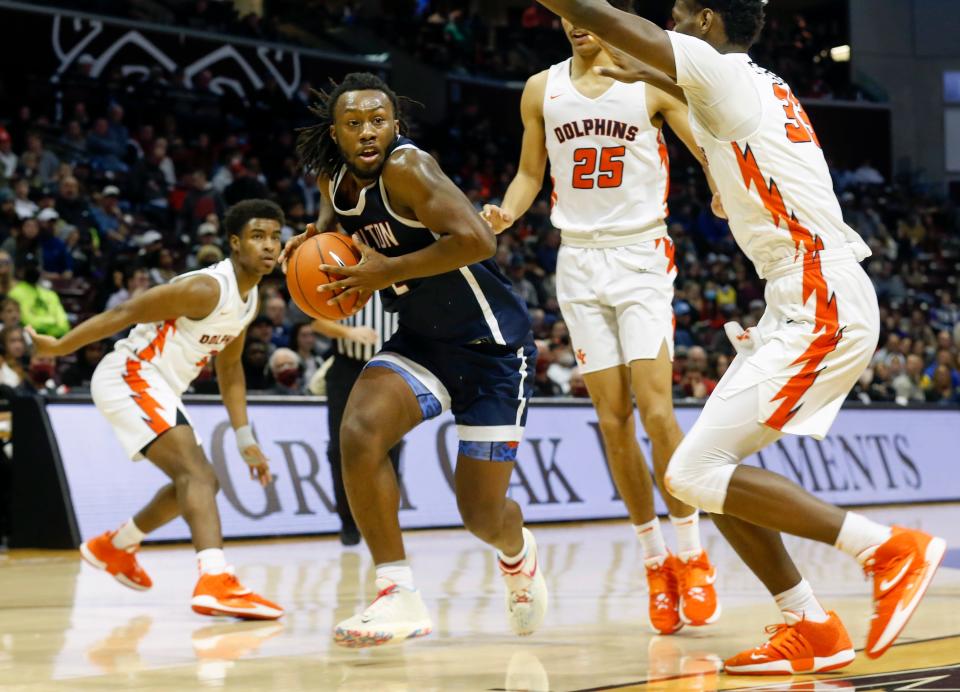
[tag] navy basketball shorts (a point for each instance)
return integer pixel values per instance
(486, 386)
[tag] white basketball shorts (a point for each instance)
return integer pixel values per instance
(136, 400)
(617, 302)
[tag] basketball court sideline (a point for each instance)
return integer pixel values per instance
(65, 626)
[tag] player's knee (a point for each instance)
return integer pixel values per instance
(360, 440)
(616, 425)
(484, 520)
(698, 476)
(658, 420)
(199, 475)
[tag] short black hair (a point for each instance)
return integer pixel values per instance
(742, 19)
(241, 213)
(317, 151)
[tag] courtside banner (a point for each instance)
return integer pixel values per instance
(872, 456)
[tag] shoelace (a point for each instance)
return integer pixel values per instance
(891, 567)
(382, 601)
(695, 574)
(786, 641)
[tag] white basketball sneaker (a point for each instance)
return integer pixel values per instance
(395, 615)
(526, 590)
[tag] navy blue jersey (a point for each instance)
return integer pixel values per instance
(474, 305)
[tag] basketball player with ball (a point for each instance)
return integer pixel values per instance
(180, 326)
(464, 343)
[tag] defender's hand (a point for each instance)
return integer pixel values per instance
(497, 218)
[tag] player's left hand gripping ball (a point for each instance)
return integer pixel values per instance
(373, 272)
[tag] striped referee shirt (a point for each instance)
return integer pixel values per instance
(374, 317)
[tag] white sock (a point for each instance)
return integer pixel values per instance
(397, 572)
(799, 603)
(127, 536)
(651, 539)
(688, 535)
(212, 561)
(858, 535)
(514, 560)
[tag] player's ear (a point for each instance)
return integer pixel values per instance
(234, 243)
(333, 134)
(707, 19)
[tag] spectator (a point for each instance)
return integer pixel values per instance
(165, 270)
(255, 364)
(107, 214)
(25, 207)
(9, 314)
(73, 143)
(304, 340)
(40, 307)
(55, 259)
(13, 351)
(200, 201)
(41, 376)
(74, 208)
(286, 370)
(136, 281)
(47, 161)
(578, 387)
(7, 281)
(104, 151)
(942, 389)
(518, 278)
(276, 311)
(77, 377)
(8, 160)
(149, 183)
(907, 384)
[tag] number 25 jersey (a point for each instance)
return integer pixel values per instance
(608, 163)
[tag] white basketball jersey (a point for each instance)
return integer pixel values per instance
(179, 349)
(765, 158)
(608, 163)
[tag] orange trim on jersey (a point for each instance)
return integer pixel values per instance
(553, 192)
(665, 162)
(155, 347)
(669, 251)
(141, 397)
(826, 329)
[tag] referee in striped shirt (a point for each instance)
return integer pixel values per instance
(358, 338)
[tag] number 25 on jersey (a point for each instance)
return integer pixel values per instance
(601, 168)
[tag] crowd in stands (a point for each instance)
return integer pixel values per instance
(117, 195)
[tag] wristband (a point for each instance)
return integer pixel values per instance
(245, 437)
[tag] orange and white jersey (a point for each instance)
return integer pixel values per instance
(179, 349)
(608, 164)
(765, 158)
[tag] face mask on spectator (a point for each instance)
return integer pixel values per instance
(288, 377)
(41, 372)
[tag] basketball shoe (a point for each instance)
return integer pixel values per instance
(223, 594)
(698, 597)
(902, 568)
(662, 583)
(121, 564)
(801, 646)
(527, 596)
(396, 614)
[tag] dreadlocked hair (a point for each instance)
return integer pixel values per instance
(317, 151)
(742, 19)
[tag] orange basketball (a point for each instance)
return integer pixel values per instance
(304, 275)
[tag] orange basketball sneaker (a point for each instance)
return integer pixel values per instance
(698, 597)
(800, 647)
(121, 564)
(664, 595)
(223, 594)
(902, 569)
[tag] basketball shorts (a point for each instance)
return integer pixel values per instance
(136, 400)
(487, 388)
(617, 302)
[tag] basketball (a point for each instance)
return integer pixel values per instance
(304, 275)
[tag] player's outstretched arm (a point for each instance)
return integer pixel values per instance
(194, 298)
(526, 184)
(637, 36)
(233, 391)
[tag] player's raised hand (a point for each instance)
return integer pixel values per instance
(372, 273)
(363, 335)
(295, 242)
(498, 219)
(627, 68)
(44, 345)
(258, 464)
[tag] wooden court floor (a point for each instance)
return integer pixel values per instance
(65, 626)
